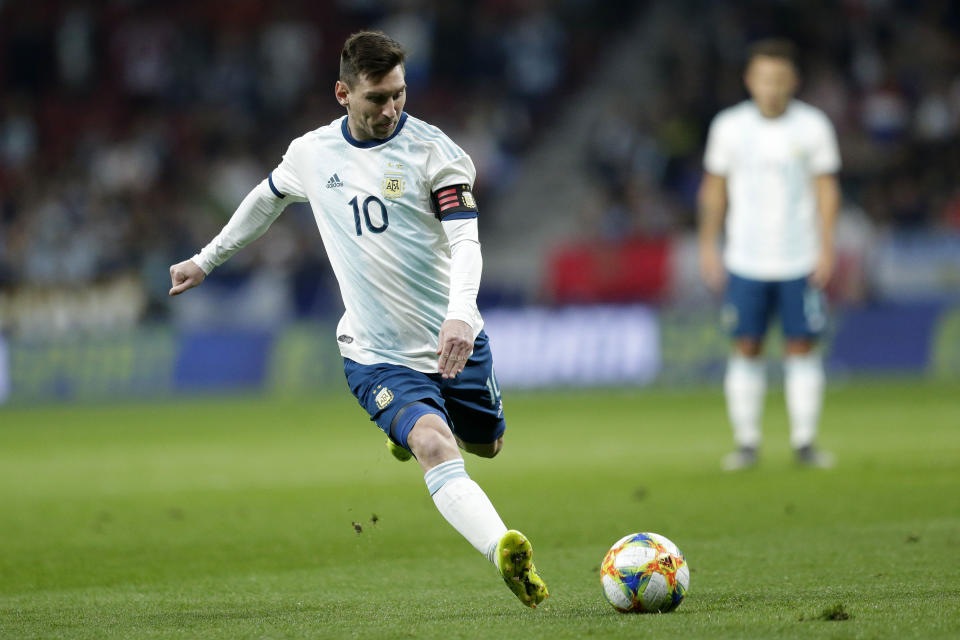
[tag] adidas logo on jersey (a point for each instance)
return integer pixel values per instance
(334, 181)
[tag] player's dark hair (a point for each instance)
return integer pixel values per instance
(369, 53)
(774, 48)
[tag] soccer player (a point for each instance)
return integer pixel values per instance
(770, 166)
(392, 198)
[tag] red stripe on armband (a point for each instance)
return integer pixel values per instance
(453, 201)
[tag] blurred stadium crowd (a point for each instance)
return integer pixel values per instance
(886, 72)
(130, 129)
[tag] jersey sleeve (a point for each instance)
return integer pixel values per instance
(716, 158)
(466, 265)
(284, 181)
(451, 189)
(825, 156)
(460, 170)
(251, 219)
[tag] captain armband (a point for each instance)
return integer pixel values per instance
(454, 202)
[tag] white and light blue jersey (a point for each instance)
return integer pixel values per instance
(372, 203)
(769, 165)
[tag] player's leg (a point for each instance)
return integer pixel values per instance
(458, 498)
(467, 508)
(803, 313)
(473, 401)
(408, 407)
(746, 314)
(423, 428)
(481, 449)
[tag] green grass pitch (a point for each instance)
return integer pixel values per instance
(234, 518)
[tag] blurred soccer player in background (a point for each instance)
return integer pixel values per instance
(770, 166)
(392, 198)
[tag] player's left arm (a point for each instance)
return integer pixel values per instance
(827, 190)
(457, 210)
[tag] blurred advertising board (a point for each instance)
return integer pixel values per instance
(534, 347)
(575, 346)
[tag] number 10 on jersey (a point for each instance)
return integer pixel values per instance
(366, 214)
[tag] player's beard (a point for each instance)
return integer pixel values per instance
(383, 130)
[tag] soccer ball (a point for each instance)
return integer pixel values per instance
(644, 573)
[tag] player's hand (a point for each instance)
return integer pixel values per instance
(456, 345)
(822, 271)
(712, 271)
(185, 275)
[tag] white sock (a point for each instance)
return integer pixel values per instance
(745, 385)
(465, 506)
(804, 383)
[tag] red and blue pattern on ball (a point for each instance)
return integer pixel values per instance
(633, 580)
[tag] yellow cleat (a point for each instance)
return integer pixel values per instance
(397, 451)
(515, 562)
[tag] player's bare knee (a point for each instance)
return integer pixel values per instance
(798, 347)
(748, 347)
(431, 439)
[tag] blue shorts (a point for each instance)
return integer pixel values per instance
(471, 402)
(750, 304)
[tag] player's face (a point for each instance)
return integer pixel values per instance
(771, 83)
(374, 107)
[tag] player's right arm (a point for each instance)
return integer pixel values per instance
(712, 202)
(712, 208)
(250, 221)
(824, 165)
(827, 190)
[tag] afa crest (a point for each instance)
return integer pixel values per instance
(384, 397)
(393, 185)
(468, 200)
